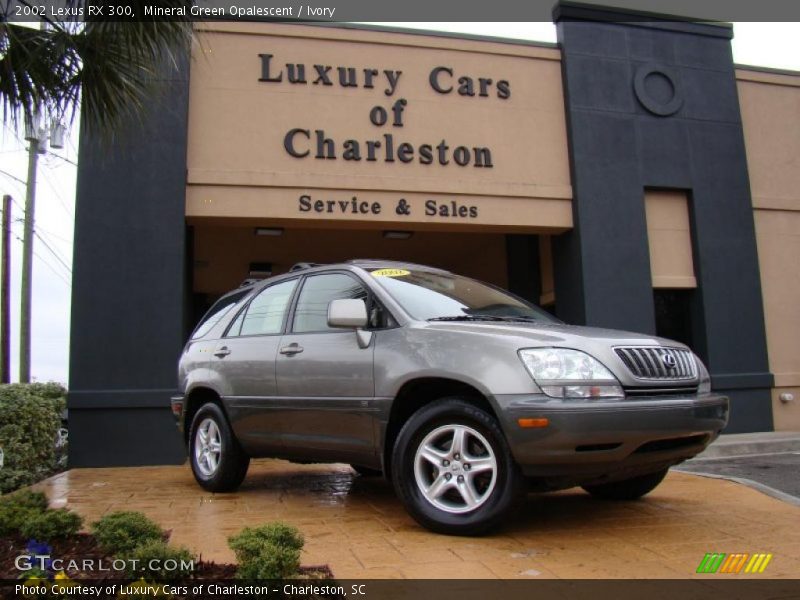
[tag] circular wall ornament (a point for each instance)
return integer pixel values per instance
(656, 87)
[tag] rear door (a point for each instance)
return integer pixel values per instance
(325, 380)
(245, 361)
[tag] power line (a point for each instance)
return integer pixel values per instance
(58, 195)
(56, 273)
(64, 158)
(47, 264)
(51, 234)
(53, 252)
(14, 177)
(58, 257)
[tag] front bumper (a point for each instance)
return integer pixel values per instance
(603, 440)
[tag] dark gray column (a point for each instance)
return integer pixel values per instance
(652, 102)
(128, 292)
(522, 257)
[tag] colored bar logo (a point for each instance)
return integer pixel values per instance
(719, 562)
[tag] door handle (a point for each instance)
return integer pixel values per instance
(222, 352)
(291, 349)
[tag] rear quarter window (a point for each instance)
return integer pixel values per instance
(221, 308)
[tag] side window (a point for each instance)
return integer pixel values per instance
(311, 313)
(215, 313)
(265, 313)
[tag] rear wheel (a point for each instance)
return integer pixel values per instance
(627, 489)
(453, 470)
(218, 462)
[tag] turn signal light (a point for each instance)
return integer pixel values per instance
(533, 423)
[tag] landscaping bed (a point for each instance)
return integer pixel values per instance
(40, 545)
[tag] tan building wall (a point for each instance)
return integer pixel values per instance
(239, 166)
(770, 106)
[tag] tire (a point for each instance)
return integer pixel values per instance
(627, 489)
(221, 471)
(423, 455)
(366, 471)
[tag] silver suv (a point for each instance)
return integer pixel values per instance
(460, 393)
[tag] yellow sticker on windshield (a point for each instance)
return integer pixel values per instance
(390, 273)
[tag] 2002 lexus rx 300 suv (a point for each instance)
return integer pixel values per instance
(461, 393)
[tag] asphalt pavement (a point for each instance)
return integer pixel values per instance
(778, 471)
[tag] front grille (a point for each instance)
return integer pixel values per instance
(659, 362)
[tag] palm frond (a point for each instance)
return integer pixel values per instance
(107, 68)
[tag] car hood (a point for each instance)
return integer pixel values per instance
(554, 334)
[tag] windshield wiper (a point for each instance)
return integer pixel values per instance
(481, 318)
(468, 318)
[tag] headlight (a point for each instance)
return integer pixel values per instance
(565, 373)
(705, 378)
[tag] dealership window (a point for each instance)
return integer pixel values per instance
(673, 310)
(264, 315)
(311, 313)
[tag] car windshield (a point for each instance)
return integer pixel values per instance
(428, 295)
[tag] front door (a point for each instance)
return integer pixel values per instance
(324, 378)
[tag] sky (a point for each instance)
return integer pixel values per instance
(774, 45)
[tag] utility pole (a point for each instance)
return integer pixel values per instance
(27, 265)
(5, 307)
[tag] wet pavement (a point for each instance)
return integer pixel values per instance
(358, 527)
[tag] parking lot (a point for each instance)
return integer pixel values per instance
(357, 526)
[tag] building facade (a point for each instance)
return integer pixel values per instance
(630, 176)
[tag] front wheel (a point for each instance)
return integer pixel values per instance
(453, 470)
(627, 489)
(218, 462)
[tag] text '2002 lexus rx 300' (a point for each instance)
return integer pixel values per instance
(462, 394)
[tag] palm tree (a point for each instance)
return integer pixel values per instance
(107, 68)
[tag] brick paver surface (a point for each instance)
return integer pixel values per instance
(358, 527)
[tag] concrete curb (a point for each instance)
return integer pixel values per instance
(744, 444)
(764, 489)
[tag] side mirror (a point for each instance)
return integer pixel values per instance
(347, 313)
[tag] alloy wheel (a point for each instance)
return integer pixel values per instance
(455, 468)
(208, 447)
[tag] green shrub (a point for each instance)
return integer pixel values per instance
(119, 533)
(155, 560)
(18, 508)
(30, 417)
(273, 563)
(26, 498)
(271, 551)
(52, 525)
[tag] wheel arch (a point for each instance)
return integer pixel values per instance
(196, 398)
(419, 392)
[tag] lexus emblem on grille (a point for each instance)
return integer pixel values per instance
(669, 360)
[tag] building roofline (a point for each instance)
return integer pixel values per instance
(566, 10)
(771, 70)
(473, 37)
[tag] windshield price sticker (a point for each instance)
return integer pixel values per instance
(390, 273)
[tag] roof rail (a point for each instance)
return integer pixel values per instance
(304, 265)
(250, 281)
